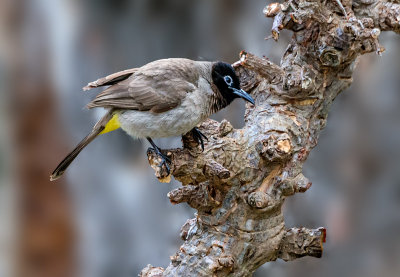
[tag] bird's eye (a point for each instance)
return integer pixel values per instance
(228, 80)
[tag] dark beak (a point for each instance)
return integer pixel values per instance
(242, 94)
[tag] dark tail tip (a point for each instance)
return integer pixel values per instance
(63, 165)
(55, 175)
(60, 169)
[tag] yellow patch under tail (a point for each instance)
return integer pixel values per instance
(111, 125)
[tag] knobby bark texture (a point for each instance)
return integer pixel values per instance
(240, 181)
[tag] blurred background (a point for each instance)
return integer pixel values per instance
(109, 216)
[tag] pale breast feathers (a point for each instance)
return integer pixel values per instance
(157, 87)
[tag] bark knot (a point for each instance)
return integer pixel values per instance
(258, 199)
(274, 147)
(329, 56)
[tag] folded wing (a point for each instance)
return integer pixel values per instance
(111, 79)
(157, 87)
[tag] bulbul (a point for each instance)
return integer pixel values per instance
(163, 98)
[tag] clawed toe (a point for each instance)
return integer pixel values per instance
(198, 137)
(165, 161)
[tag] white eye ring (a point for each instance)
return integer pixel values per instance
(228, 80)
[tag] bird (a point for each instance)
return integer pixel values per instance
(164, 98)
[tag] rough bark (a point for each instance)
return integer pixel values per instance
(240, 181)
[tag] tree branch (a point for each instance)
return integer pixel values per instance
(300, 242)
(240, 181)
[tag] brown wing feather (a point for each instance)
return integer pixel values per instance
(111, 79)
(158, 87)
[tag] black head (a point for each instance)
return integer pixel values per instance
(224, 77)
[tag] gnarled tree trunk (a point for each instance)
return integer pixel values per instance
(239, 183)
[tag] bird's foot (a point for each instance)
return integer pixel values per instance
(342, 9)
(162, 163)
(198, 137)
(164, 160)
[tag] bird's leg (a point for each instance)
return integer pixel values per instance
(342, 8)
(198, 137)
(165, 159)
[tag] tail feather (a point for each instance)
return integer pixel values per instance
(97, 129)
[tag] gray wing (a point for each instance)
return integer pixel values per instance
(157, 87)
